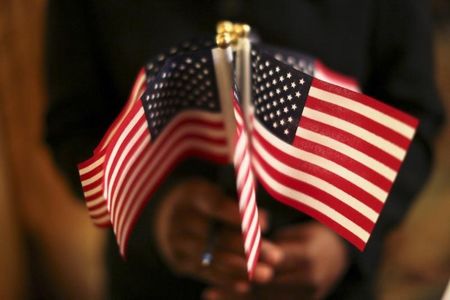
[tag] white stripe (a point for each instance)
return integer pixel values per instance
(351, 152)
(93, 191)
(129, 163)
(245, 165)
(92, 178)
(241, 146)
(247, 212)
(142, 130)
(319, 74)
(123, 135)
(129, 212)
(316, 182)
(184, 130)
(311, 202)
(357, 131)
(92, 166)
(362, 109)
(103, 221)
(254, 250)
(96, 201)
(254, 226)
(135, 96)
(322, 162)
(238, 117)
(94, 213)
(246, 190)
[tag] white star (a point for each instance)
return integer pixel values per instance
(282, 122)
(297, 94)
(267, 63)
(281, 78)
(285, 88)
(294, 107)
(265, 118)
(278, 91)
(275, 125)
(270, 72)
(271, 94)
(289, 97)
(286, 132)
(293, 84)
(277, 69)
(288, 75)
(302, 81)
(271, 115)
(278, 112)
(286, 109)
(290, 120)
(274, 81)
(274, 103)
(281, 100)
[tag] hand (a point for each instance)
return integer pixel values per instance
(308, 259)
(182, 224)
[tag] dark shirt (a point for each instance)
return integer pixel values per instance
(95, 49)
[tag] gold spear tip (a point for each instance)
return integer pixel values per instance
(223, 40)
(224, 26)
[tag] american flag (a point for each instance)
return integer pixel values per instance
(329, 152)
(178, 115)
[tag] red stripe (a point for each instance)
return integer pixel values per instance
(113, 163)
(318, 194)
(301, 165)
(348, 235)
(97, 206)
(127, 160)
(351, 140)
(366, 100)
(91, 160)
(338, 79)
(359, 120)
(92, 185)
(94, 196)
(123, 112)
(91, 173)
(345, 161)
(98, 215)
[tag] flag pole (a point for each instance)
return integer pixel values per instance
(223, 58)
(244, 70)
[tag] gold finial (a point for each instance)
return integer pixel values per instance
(241, 30)
(223, 40)
(224, 26)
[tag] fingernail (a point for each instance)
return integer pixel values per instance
(242, 287)
(210, 295)
(275, 256)
(263, 274)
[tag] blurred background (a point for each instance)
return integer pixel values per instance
(49, 248)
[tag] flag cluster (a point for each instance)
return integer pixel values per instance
(324, 149)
